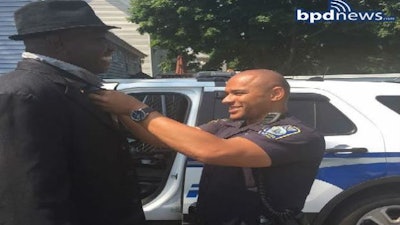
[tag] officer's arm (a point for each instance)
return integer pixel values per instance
(190, 141)
(140, 132)
(204, 146)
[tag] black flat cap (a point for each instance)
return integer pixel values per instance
(53, 15)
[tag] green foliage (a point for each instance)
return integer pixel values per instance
(264, 34)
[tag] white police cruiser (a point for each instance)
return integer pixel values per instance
(359, 178)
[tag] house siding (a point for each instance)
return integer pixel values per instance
(10, 51)
(126, 60)
(116, 13)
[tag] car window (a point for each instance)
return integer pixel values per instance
(212, 108)
(153, 164)
(317, 112)
(392, 102)
(172, 105)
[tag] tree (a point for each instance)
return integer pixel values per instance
(264, 34)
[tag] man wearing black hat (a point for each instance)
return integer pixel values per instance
(62, 160)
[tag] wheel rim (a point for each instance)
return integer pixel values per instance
(388, 215)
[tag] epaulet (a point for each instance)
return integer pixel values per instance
(271, 117)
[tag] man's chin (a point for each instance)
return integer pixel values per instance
(235, 117)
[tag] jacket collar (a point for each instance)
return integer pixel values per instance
(76, 73)
(68, 89)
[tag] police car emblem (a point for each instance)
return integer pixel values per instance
(278, 132)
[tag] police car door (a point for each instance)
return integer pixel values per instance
(210, 109)
(350, 138)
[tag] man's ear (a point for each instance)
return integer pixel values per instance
(57, 47)
(277, 93)
(55, 42)
(45, 44)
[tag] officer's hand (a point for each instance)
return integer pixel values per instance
(115, 102)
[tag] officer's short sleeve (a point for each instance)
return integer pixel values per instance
(286, 143)
(212, 126)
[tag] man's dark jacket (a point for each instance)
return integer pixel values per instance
(62, 160)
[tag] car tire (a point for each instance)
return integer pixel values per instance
(375, 209)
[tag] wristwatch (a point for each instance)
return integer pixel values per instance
(141, 114)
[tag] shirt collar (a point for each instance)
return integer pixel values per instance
(255, 126)
(234, 123)
(80, 74)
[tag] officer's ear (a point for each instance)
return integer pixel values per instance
(277, 93)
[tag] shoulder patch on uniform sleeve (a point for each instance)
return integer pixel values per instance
(278, 132)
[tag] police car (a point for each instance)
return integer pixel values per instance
(359, 178)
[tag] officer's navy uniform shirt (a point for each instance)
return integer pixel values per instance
(296, 152)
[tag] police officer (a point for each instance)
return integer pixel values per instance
(259, 163)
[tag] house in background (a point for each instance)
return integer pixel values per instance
(10, 51)
(133, 52)
(116, 13)
(126, 60)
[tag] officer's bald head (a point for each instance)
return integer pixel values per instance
(265, 79)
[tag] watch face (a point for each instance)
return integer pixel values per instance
(138, 115)
(141, 114)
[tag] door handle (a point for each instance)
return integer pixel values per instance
(343, 149)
